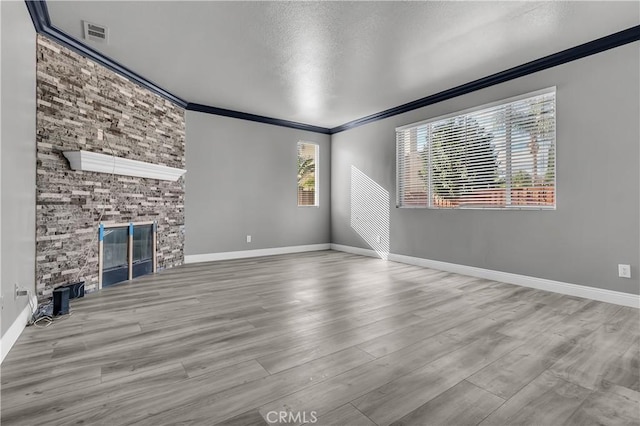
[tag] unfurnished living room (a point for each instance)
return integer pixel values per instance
(324, 213)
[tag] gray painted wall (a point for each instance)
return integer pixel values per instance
(241, 180)
(596, 224)
(18, 161)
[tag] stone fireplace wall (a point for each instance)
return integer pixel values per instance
(84, 106)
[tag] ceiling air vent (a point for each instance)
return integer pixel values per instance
(95, 32)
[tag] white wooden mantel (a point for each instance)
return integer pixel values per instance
(103, 163)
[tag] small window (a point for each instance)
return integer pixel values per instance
(499, 156)
(307, 174)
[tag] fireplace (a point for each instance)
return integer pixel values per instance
(126, 251)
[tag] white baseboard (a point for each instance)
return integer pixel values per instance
(11, 336)
(602, 295)
(211, 257)
(355, 250)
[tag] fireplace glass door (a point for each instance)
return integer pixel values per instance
(115, 256)
(126, 252)
(142, 250)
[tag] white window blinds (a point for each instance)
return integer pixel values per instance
(495, 156)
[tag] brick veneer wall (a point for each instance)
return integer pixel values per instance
(82, 105)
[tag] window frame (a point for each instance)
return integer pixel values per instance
(316, 174)
(547, 90)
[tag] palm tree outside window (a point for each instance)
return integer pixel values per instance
(307, 174)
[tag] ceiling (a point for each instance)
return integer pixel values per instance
(327, 63)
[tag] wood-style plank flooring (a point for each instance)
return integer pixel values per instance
(326, 336)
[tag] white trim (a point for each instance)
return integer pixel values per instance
(11, 336)
(242, 254)
(103, 163)
(602, 295)
(355, 250)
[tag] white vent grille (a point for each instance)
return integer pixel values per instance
(95, 32)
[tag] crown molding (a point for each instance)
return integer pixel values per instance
(258, 118)
(42, 23)
(621, 38)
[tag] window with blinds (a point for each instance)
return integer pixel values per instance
(307, 174)
(498, 156)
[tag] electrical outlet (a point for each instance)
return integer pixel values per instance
(378, 239)
(248, 238)
(20, 292)
(624, 271)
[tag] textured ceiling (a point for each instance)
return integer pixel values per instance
(326, 63)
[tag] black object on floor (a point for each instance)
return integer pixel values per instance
(75, 290)
(61, 301)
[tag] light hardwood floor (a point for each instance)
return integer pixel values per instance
(347, 339)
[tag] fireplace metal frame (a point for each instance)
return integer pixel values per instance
(130, 226)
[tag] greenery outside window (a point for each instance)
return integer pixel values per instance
(498, 156)
(308, 174)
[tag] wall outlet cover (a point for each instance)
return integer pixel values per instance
(624, 271)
